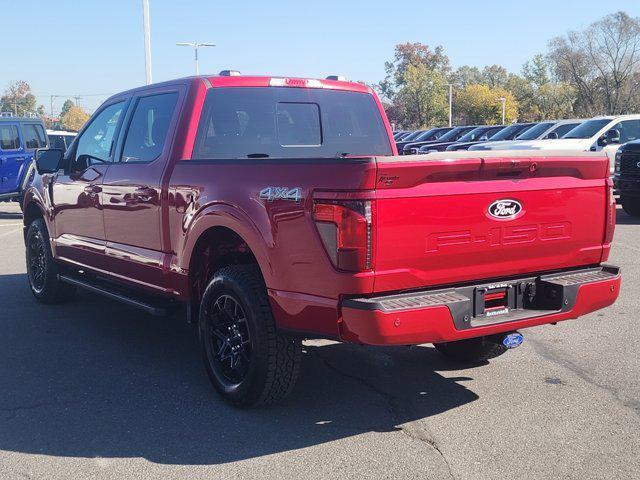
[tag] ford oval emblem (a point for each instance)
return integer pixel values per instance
(505, 208)
(512, 340)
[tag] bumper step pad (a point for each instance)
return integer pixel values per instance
(529, 297)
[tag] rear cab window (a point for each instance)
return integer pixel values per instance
(284, 122)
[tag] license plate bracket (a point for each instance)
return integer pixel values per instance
(496, 299)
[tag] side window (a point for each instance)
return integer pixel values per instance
(629, 130)
(148, 129)
(565, 128)
(9, 139)
(96, 142)
(33, 135)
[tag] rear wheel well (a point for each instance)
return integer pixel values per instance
(216, 248)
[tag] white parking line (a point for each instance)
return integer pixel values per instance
(6, 234)
(10, 224)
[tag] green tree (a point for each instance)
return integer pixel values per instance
(422, 98)
(495, 76)
(66, 106)
(481, 104)
(414, 54)
(465, 75)
(539, 95)
(18, 99)
(74, 119)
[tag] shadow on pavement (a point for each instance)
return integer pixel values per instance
(96, 379)
(10, 216)
(622, 218)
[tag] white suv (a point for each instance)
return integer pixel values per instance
(604, 134)
(548, 130)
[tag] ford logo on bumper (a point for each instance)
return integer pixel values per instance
(505, 208)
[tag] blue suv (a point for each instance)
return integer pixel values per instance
(19, 139)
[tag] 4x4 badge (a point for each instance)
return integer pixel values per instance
(505, 208)
(281, 193)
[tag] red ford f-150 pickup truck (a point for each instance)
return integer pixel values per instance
(277, 209)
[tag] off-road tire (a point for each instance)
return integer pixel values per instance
(473, 350)
(42, 272)
(274, 357)
(631, 205)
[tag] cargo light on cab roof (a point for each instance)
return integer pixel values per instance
(296, 82)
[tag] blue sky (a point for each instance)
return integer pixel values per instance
(96, 47)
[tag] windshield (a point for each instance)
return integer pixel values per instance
(536, 131)
(451, 135)
(412, 136)
(425, 135)
(588, 129)
(473, 135)
(509, 132)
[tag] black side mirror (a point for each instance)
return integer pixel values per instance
(48, 160)
(553, 136)
(613, 136)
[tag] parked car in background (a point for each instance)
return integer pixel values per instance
(505, 133)
(60, 138)
(412, 135)
(431, 135)
(543, 130)
(19, 138)
(448, 138)
(404, 135)
(476, 136)
(604, 134)
(626, 177)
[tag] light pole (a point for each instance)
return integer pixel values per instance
(147, 41)
(450, 85)
(504, 103)
(195, 46)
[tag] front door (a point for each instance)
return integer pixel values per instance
(12, 156)
(132, 188)
(77, 191)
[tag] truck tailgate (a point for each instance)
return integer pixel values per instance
(450, 218)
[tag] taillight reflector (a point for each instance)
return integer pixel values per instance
(610, 219)
(346, 233)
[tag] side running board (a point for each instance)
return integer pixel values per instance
(157, 308)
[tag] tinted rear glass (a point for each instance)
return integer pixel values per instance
(286, 122)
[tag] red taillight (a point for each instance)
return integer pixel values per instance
(610, 219)
(345, 230)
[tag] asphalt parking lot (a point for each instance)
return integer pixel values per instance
(94, 389)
